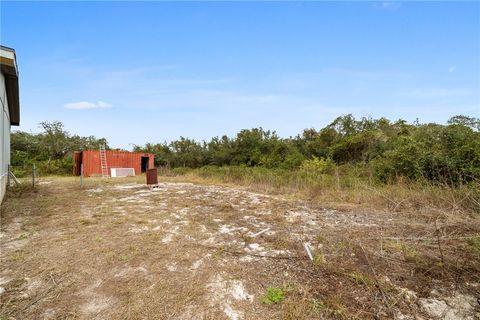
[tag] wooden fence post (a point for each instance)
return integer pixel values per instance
(34, 171)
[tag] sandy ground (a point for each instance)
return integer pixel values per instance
(120, 250)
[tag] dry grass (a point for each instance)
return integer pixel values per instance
(119, 250)
(348, 189)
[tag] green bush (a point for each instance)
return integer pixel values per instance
(273, 296)
(318, 165)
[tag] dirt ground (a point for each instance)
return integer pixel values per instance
(120, 250)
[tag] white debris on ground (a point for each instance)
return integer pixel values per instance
(191, 312)
(197, 264)
(48, 314)
(172, 267)
(129, 271)
(128, 186)
(137, 229)
(44, 182)
(131, 199)
(257, 249)
(227, 229)
(457, 307)
(239, 292)
(171, 233)
(96, 302)
(168, 238)
(294, 216)
(96, 305)
(3, 282)
(266, 231)
(247, 259)
(224, 293)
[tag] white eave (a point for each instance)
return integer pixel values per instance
(8, 63)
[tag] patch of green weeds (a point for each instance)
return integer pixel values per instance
(318, 306)
(124, 257)
(87, 222)
(338, 310)
(409, 253)
(133, 251)
(361, 279)
(343, 247)
(17, 256)
(23, 236)
(320, 238)
(219, 252)
(333, 308)
(474, 245)
(319, 259)
(68, 236)
(273, 296)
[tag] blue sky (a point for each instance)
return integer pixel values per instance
(137, 72)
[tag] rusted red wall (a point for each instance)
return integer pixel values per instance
(115, 159)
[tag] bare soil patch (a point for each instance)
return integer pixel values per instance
(120, 250)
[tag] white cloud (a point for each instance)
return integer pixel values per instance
(388, 5)
(87, 105)
(452, 68)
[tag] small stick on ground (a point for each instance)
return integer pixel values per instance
(53, 280)
(260, 232)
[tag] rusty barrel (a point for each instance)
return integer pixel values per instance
(152, 176)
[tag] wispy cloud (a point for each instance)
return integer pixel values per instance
(452, 68)
(87, 105)
(388, 5)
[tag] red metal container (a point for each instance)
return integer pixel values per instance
(152, 176)
(115, 159)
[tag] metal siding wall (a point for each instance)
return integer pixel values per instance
(120, 159)
(91, 162)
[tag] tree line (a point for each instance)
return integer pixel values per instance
(386, 150)
(50, 150)
(441, 153)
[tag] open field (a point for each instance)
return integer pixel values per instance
(120, 250)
